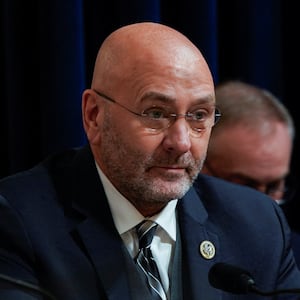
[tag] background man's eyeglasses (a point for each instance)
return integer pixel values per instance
(159, 118)
(281, 190)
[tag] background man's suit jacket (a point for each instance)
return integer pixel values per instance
(56, 230)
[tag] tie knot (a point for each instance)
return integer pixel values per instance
(145, 232)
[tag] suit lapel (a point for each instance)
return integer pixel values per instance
(192, 221)
(90, 216)
(105, 250)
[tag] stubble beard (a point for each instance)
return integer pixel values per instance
(130, 170)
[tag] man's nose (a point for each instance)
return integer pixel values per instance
(177, 137)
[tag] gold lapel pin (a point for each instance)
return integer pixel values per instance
(207, 249)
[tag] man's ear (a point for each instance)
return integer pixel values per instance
(91, 115)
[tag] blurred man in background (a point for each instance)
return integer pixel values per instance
(252, 143)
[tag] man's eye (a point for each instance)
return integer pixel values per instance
(200, 115)
(155, 113)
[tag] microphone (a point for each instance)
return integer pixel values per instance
(235, 280)
(26, 286)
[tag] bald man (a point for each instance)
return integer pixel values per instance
(120, 218)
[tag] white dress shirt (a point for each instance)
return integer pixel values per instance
(126, 217)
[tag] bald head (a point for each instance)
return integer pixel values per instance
(145, 74)
(144, 46)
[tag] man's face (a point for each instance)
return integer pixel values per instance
(247, 157)
(156, 165)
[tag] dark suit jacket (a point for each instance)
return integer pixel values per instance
(296, 246)
(56, 230)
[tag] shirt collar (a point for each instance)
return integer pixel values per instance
(126, 216)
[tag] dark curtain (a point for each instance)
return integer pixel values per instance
(48, 50)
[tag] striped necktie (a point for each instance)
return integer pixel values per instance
(144, 259)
